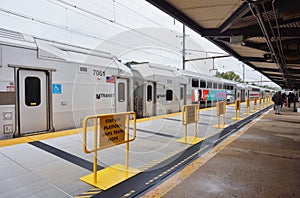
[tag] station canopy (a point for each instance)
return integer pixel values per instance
(264, 34)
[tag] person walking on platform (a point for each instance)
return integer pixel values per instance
(291, 98)
(278, 101)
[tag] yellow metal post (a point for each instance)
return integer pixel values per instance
(195, 126)
(190, 114)
(185, 133)
(260, 103)
(117, 173)
(237, 110)
(248, 106)
(218, 121)
(95, 148)
(127, 143)
(195, 130)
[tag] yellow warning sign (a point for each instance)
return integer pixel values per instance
(221, 108)
(191, 114)
(112, 130)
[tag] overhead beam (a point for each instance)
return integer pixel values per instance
(253, 31)
(174, 12)
(235, 16)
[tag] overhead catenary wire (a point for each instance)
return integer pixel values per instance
(93, 35)
(117, 23)
(72, 30)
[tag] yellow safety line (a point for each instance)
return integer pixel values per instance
(158, 117)
(179, 177)
(167, 115)
(32, 138)
(44, 136)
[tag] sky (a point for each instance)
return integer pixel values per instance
(132, 30)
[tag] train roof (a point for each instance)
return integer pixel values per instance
(57, 51)
(153, 72)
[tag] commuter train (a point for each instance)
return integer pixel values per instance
(47, 86)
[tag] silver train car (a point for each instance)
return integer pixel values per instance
(158, 89)
(47, 86)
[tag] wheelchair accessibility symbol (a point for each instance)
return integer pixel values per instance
(56, 89)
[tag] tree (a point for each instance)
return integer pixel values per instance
(229, 76)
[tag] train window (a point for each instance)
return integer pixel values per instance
(181, 93)
(169, 95)
(229, 87)
(32, 91)
(149, 93)
(220, 86)
(209, 84)
(195, 83)
(215, 85)
(121, 92)
(255, 89)
(202, 84)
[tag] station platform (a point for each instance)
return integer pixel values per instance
(261, 160)
(51, 165)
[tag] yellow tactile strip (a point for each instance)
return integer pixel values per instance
(171, 183)
(38, 137)
(44, 136)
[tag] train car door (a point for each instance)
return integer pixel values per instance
(33, 101)
(235, 94)
(242, 95)
(121, 95)
(182, 96)
(149, 107)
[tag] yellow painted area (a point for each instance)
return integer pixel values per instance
(15, 141)
(110, 176)
(190, 140)
(38, 137)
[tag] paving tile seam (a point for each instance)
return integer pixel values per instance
(45, 179)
